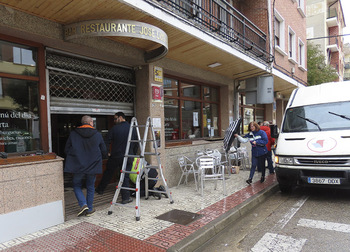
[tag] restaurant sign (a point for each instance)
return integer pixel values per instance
(121, 28)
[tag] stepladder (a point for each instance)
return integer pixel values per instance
(148, 158)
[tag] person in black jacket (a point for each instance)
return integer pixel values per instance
(85, 149)
(118, 138)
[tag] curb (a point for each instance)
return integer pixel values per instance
(201, 236)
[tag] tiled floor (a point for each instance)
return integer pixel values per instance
(121, 232)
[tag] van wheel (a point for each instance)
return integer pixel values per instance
(285, 188)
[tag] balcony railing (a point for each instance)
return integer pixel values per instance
(224, 21)
(331, 13)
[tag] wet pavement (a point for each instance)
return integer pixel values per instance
(182, 226)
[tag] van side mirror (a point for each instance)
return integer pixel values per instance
(274, 131)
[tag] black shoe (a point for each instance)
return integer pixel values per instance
(272, 172)
(127, 201)
(156, 195)
(161, 188)
(249, 181)
(90, 213)
(262, 179)
(98, 191)
(82, 210)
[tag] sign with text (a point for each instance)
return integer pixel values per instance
(19, 131)
(158, 74)
(120, 28)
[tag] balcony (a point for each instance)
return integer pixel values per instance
(332, 17)
(224, 22)
(333, 44)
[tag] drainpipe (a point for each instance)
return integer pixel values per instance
(271, 34)
(236, 98)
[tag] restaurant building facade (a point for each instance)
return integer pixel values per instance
(192, 66)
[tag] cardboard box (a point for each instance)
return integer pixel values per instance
(235, 169)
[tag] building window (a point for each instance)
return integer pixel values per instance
(191, 110)
(301, 54)
(18, 59)
(19, 102)
(279, 33)
(301, 7)
(291, 45)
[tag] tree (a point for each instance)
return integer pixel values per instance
(317, 70)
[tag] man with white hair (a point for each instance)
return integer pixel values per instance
(84, 149)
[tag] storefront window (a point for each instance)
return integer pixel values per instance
(210, 119)
(259, 114)
(191, 112)
(19, 116)
(210, 94)
(197, 114)
(171, 87)
(18, 59)
(171, 119)
(190, 90)
(249, 113)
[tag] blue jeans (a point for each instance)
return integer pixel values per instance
(256, 162)
(269, 161)
(78, 179)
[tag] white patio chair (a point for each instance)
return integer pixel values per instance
(187, 168)
(220, 161)
(209, 170)
(243, 156)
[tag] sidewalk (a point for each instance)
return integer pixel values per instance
(182, 226)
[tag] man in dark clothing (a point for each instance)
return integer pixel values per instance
(84, 149)
(118, 137)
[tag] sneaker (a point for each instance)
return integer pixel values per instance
(83, 210)
(249, 181)
(162, 189)
(127, 201)
(90, 213)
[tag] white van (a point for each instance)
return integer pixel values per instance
(313, 147)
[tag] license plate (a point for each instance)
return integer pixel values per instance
(324, 181)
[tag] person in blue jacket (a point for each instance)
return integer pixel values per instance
(258, 139)
(85, 149)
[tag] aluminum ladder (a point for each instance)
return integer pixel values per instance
(145, 167)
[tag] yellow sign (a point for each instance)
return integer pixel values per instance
(158, 74)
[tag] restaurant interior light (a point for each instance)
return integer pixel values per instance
(216, 64)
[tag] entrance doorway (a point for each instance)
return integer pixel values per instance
(63, 124)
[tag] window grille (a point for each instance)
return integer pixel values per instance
(72, 77)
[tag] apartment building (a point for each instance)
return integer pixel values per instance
(193, 66)
(325, 23)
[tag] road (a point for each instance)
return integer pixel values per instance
(306, 220)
